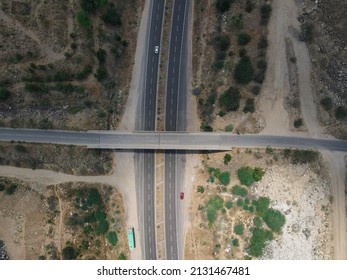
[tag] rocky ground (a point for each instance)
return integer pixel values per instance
(328, 52)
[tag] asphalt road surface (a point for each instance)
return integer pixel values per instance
(175, 112)
(145, 160)
(193, 141)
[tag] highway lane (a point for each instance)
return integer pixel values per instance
(145, 165)
(193, 141)
(175, 105)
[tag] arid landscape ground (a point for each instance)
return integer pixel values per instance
(64, 68)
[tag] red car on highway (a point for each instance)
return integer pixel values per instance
(181, 195)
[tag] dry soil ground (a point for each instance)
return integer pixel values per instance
(35, 218)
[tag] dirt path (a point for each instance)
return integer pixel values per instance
(276, 85)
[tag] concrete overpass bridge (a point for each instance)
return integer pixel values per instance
(145, 140)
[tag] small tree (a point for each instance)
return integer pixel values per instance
(4, 94)
(263, 206)
(229, 205)
(327, 103)
(112, 238)
(101, 55)
(230, 99)
(243, 38)
(341, 112)
(69, 253)
(275, 220)
(227, 159)
(11, 189)
(223, 5)
(224, 178)
(201, 189)
(238, 190)
(245, 175)
(238, 229)
(244, 71)
(258, 174)
(235, 242)
(298, 123)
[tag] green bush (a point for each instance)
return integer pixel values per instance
(201, 189)
(112, 238)
(215, 202)
(122, 256)
(256, 90)
(243, 38)
(265, 11)
(341, 112)
(244, 71)
(230, 99)
(112, 17)
(258, 222)
(258, 174)
(87, 70)
(101, 73)
(245, 175)
(258, 241)
(224, 178)
(239, 202)
(249, 6)
(229, 205)
(4, 94)
(45, 124)
(239, 229)
(263, 42)
(274, 220)
(206, 127)
(238, 190)
(303, 156)
(69, 253)
(211, 215)
(327, 103)
(220, 55)
(83, 20)
(20, 148)
(298, 123)
(36, 88)
(249, 106)
(101, 55)
(229, 128)
(227, 159)
(222, 42)
(2, 187)
(218, 65)
(262, 205)
(92, 6)
(223, 5)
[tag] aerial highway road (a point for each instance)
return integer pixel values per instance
(146, 116)
(175, 112)
(146, 140)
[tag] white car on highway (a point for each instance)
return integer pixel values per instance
(156, 49)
